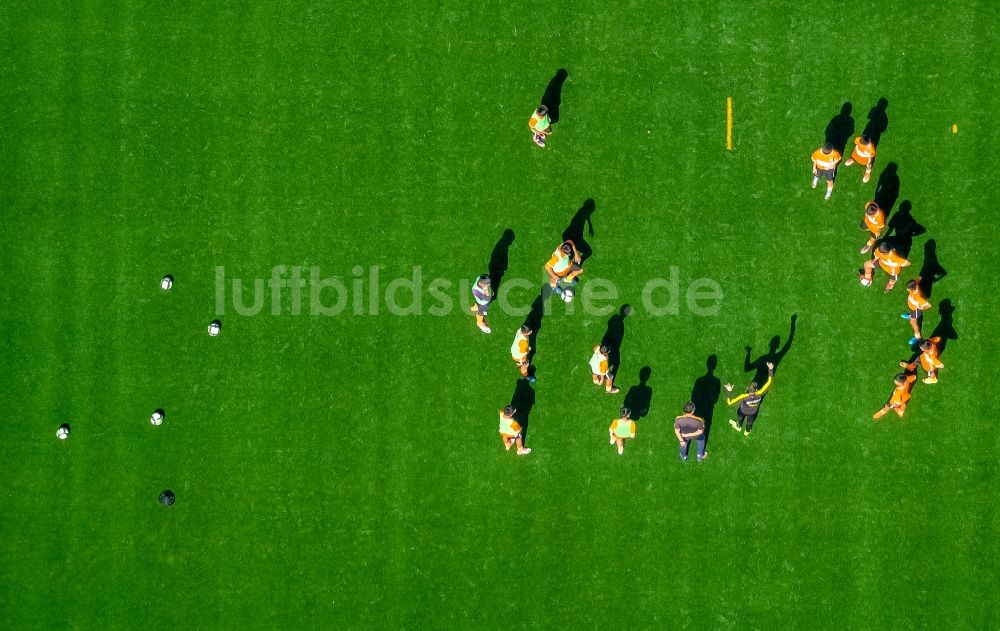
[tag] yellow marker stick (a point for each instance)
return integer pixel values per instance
(729, 123)
(954, 129)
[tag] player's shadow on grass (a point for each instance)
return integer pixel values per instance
(575, 230)
(887, 188)
(946, 327)
(500, 259)
(878, 121)
(930, 271)
(534, 322)
(902, 228)
(840, 128)
(614, 336)
(523, 400)
(706, 392)
(638, 398)
(775, 353)
(552, 98)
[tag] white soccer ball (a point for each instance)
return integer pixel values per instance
(865, 282)
(214, 328)
(62, 433)
(156, 418)
(167, 282)
(567, 295)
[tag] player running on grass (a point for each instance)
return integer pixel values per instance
(916, 305)
(825, 161)
(563, 266)
(899, 397)
(621, 428)
(510, 431)
(482, 291)
(928, 360)
(519, 351)
(540, 125)
(874, 223)
(884, 256)
(749, 403)
(599, 366)
(863, 154)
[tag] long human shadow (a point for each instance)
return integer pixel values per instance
(552, 98)
(945, 328)
(500, 259)
(534, 322)
(840, 128)
(930, 270)
(706, 392)
(902, 227)
(523, 401)
(775, 353)
(878, 121)
(887, 188)
(639, 397)
(614, 336)
(575, 230)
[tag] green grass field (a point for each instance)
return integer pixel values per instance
(345, 471)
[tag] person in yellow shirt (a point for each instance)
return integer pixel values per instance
(520, 349)
(621, 428)
(600, 367)
(510, 431)
(564, 266)
(824, 162)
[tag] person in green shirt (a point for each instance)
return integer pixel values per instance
(510, 431)
(621, 428)
(540, 125)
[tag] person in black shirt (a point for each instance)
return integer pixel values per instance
(687, 427)
(749, 402)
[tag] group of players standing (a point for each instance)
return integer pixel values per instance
(565, 266)
(563, 269)
(885, 257)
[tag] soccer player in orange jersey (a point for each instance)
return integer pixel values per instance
(874, 223)
(928, 360)
(510, 431)
(917, 304)
(564, 266)
(900, 395)
(600, 367)
(825, 161)
(863, 154)
(621, 428)
(884, 256)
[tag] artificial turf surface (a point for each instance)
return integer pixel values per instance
(346, 471)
